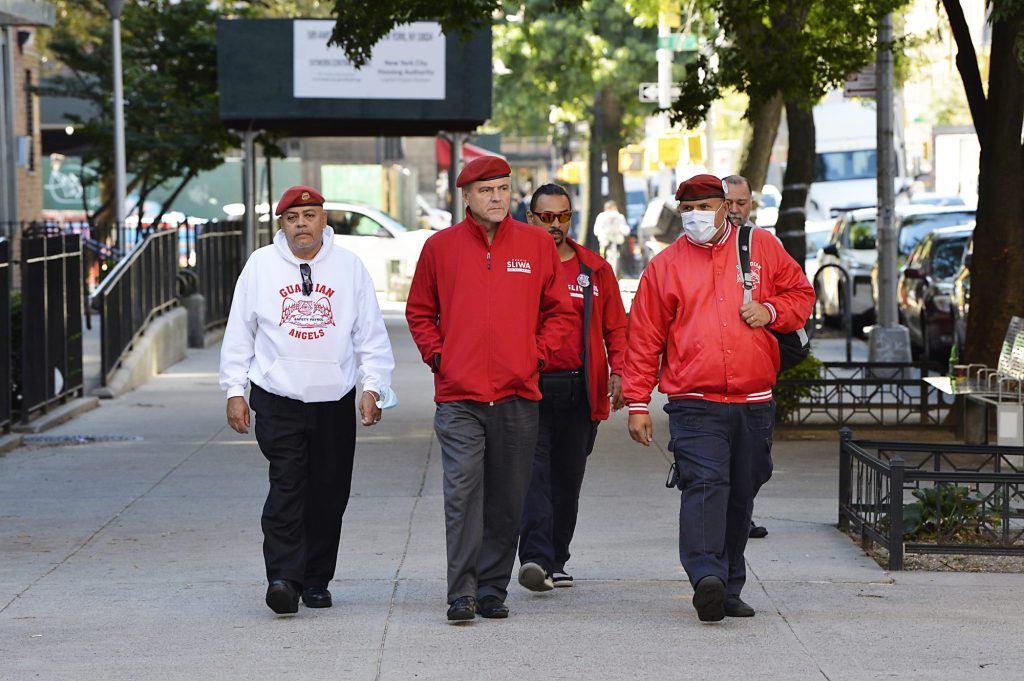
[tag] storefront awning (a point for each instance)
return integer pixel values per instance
(443, 148)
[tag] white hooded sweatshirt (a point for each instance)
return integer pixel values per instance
(305, 347)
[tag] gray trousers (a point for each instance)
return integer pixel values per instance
(487, 457)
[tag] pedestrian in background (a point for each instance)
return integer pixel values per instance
(739, 202)
(304, 326)
(691, 334)
(575, 387)
(611, 230)
(487, 309)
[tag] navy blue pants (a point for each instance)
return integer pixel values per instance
(723, 452)
(565, 438)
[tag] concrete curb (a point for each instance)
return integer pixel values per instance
(164, 343)
(56, 417)
(9, 442)
(213, 337)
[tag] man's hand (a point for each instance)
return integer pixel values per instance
(755, 315)
(368, 409)
(238, 414)
(641, 429)
(615, 391)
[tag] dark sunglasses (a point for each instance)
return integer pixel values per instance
(307, 279)
(547, 217)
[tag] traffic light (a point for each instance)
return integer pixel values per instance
(571, 172)
(631, 159)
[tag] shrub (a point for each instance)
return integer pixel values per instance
(788, 397)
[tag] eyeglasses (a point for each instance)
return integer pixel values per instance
(307, 279)
(547, 217)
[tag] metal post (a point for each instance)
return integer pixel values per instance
(458, 207)
(120, 171)
(8, 177)
(888, 341)
(664, 57)
(845, 499)
(249, 191)
(895, 547)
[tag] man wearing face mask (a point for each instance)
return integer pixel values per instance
(691, 334)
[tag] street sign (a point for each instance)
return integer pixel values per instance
(649, 92)
(861, 83)
(678, 42)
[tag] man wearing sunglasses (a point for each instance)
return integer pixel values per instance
(576, 388)
(487, 309)
(304, 325)
(692, 334)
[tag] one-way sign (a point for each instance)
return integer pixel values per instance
(649, 92)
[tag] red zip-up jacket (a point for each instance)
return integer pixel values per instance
(607, 337)
(491, 311)
(686, 316)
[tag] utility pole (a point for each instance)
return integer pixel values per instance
(120, 172)
(664, 56)
(888, 340)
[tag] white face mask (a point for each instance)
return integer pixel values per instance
(700, 225)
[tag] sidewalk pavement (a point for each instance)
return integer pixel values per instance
(141, 559)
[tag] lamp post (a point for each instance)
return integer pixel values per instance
(120, 182)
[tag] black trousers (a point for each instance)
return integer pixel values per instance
(310, 448)
(565, 439)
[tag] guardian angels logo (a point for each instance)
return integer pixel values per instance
(306, 313)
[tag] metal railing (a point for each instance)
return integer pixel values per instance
(51, 322)
(219, 259)
(6, 377)
(876, 393)
(140, 287)
(931, 497)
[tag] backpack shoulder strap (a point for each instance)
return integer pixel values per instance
(588, 304)
(743, 241)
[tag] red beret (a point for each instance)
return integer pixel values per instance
(483, 168)
(701, 187)
(299, 196)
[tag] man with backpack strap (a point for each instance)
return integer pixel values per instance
(715, 356)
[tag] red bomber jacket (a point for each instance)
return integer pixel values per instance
(607, 338)
(685, 330)
(492, 312)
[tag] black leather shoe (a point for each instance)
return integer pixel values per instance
(283, 596)
(709, 599)
(316, 597)
(492, 608)
(462, 608)
(735, 607)
(756, 531)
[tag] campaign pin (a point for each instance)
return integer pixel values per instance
(583, 280)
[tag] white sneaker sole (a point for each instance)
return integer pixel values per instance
(563, 583)
(533, 577)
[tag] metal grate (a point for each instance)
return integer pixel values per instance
(68, 440)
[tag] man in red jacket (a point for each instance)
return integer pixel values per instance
(576, 387)
(487, 309)
(691, 333)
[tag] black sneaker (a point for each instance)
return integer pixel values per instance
(561, 579)
(735, 607)
(709, 599)
(492, 608)
(462, 608)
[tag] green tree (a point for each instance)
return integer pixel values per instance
(784, 53)
(169, 57)
(997, 275)
(585, 65)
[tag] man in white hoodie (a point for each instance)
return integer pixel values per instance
(304, 326)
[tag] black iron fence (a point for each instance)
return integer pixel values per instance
(219, 249)
(932, 498)
(875, 393)
(140, 286)
(50, 314)
(5, 337)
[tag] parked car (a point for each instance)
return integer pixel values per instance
(925, 287)
(816, 235)
(431, 217)
(851, 245)
(768, 207)
(962, 298)
(933, 199)
(913, 224)
(387, 248)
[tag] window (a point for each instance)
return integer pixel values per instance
(862, 234)
(947, 256)
(835, 166)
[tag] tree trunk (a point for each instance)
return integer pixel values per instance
(595, 159)
(997, 275)
(796, 181)
(612, 142)
(764, 118)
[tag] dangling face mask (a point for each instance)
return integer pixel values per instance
(700, 225)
